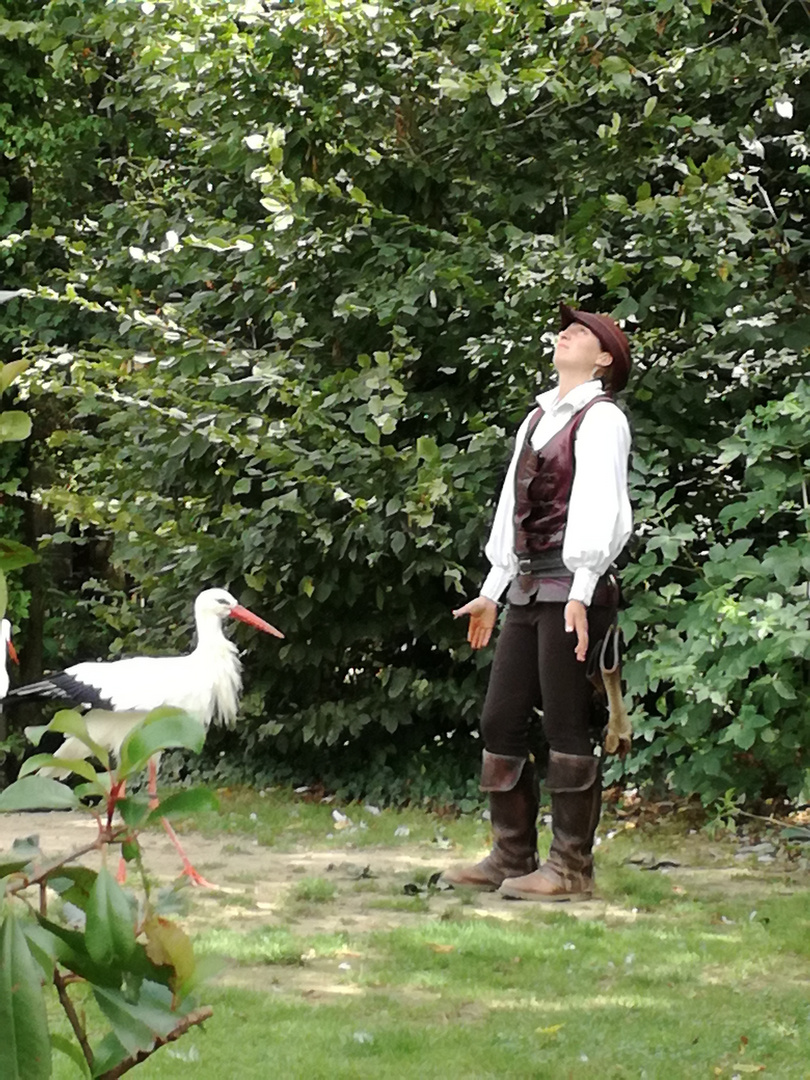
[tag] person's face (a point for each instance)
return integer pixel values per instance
(579, 352)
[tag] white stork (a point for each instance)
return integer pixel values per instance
(118, 694)
(7, 648)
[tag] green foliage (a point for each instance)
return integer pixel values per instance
(138, 963)
(291, 281)
(24, 1049)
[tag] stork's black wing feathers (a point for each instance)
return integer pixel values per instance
(63, 687)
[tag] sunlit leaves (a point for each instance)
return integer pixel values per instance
(332, 292)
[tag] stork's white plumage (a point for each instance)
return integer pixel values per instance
(205, 683)
(8, 651)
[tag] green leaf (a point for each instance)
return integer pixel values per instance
(14, 555)
(70, 949)
(25, 1049)
(37, 793)
(110, 930)
(192, 801)
(107, 1054)
(70, 722)
(10, 371)
(14, 426)
(133, 811)
(614, 64)
(496, 93)
(72, 1050)
(13, 866)
(427, 449)
(73, 884)
(75, 765)
(796, 832)
(162, 729)
(137, 1024)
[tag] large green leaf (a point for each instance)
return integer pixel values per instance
(37, 793)
(14, 426)
(192, 801)
(25, 1049)
(162, 729)
(110, 929)
(70, 949)
(137, 1024)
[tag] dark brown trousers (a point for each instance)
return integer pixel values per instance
(535, 668)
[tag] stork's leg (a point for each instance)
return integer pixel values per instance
(193, 875)
(121, 876)
(153, 795)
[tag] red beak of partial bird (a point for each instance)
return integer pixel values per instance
(246, 616)
(12, 652)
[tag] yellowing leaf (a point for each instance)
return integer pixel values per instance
(168, 944)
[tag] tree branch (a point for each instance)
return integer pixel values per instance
(744, 15)
(198, 1016)
(61, 989)
(108, 837)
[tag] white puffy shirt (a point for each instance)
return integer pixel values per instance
(599, 516)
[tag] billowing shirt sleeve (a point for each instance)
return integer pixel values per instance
(500, 549)
(599, 516)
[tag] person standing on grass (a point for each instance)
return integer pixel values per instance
(562, 520)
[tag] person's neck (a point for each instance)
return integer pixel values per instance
(568, 383)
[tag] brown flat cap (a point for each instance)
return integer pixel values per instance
(611, 337)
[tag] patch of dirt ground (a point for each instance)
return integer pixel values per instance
(256, 889)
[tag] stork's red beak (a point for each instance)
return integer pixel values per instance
(12, 652)
(248, 617)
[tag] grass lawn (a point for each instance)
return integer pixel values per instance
(333, 970)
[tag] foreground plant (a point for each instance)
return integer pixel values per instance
(64, 925)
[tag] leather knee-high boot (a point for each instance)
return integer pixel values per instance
(514, 801)
(575, 784)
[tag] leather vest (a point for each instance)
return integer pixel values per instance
(543, 482)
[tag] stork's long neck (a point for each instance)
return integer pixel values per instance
(219, 659)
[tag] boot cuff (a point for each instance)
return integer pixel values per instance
(500, 772)
(571, 772)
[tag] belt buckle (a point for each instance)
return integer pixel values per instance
(525, 564)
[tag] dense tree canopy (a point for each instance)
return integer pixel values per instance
(292, 273)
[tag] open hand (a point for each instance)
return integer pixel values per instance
(576, 621)
(483, 612)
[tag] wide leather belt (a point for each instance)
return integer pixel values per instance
(545, 565)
